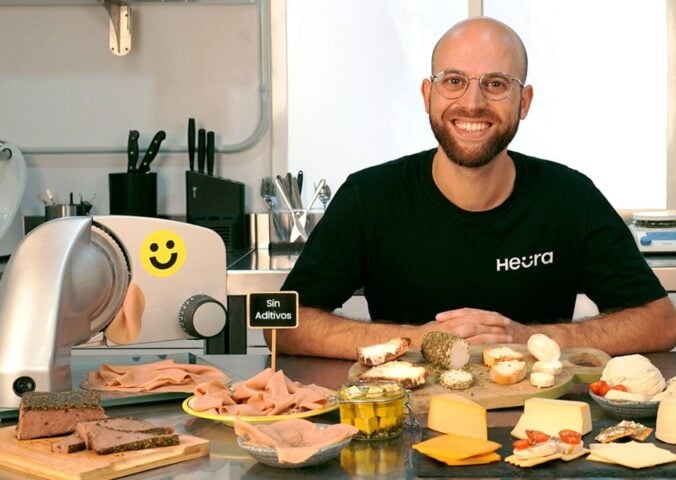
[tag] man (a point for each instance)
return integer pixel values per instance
(471, 238)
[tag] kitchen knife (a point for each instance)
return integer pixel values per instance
(152, 151)
(132, 151)
(211, 150)
(201, 149)
(191, 143)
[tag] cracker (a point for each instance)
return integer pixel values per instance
(531, 462)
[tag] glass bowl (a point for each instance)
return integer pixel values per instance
(268, 455)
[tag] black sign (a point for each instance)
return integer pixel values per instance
(272, 310)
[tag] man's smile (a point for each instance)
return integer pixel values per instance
(471, 126)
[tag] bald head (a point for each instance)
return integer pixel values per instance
(481, 36)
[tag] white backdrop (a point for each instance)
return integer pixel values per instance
(355, 68)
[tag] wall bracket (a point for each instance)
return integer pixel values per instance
(120, 27)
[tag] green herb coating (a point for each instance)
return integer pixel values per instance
(44, 401)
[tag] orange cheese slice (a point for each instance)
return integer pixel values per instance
(475, 460)
(455, 447)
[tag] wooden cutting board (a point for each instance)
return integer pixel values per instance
(580, 365)
(35, 457)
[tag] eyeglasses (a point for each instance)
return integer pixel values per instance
(453, 84)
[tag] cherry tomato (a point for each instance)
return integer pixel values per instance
(618, 387)
(599, 388)
(570, 437)
(536, 436)
(521, 444)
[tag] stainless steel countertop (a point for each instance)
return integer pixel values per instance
(389, 460)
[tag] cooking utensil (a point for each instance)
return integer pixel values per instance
(325, 195)
(299, 180)
(298, 230)
(211, 149)
(152, 151)
(132, 150)
(191, 143)
(302, 218)
(201, 149)
(268, 194)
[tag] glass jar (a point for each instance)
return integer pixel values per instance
(377, 408)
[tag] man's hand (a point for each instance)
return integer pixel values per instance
(474, 325)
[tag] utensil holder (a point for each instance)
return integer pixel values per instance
(59, 210)
(282, 225)
(133, 194)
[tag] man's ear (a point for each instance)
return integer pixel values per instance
(425, 89)
(526, 99)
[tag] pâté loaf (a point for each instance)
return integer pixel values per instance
(104, 440)
(46, 414)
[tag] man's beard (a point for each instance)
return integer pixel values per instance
(484, 156)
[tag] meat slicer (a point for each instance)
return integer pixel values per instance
(106, 280)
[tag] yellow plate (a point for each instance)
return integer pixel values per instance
(230, 419)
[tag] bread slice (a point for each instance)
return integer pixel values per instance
(409, 375)
(508, 372)
(491, 356)
(380, 353)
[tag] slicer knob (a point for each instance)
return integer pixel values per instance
(202, 316)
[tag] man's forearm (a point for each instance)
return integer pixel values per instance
(649, 328)
(324, 334)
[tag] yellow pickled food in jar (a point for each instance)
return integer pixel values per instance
(376, 408)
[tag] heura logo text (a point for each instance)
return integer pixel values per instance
(516, 263)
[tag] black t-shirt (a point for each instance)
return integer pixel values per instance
(390, 230)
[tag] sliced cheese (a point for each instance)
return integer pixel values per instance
(455, 414)
(475, 460)
(455, 447)
(551, 416)
(632, 454)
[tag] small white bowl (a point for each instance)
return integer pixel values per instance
(268, 455)
(626, 409)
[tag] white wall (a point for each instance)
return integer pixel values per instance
(355, 67)
(600, 82)
(60, 88)
(354, 73)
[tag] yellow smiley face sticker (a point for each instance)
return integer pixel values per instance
(162, 253)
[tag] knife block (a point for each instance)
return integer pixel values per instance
(217, 203)
(133, 194)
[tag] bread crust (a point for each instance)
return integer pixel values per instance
(407, 374)
(378, 354)
(492, 356)
(509, 372)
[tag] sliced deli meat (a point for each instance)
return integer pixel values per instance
(295, 440)
(163, 376)
(119, 424)
(267, 393)
(106, 440)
